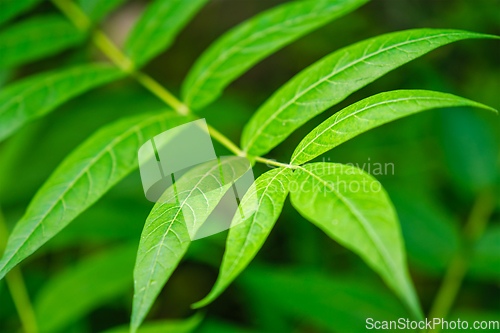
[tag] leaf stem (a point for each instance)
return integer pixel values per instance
(112, 52)
(157, 89)
(275, 163)
(17, 288)
(457, 269)
(225, 141)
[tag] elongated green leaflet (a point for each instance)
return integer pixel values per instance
(370, 113)
(335, 77)
(248, 43)
(81, 179)
(183, 208)
(12, 8)
(158, 27)
(261, 208)
(91, 283)
(36, 38)
(36, 96)
(97, 9)
(351, 207)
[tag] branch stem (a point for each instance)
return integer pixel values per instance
(159, 91)
(17, 288)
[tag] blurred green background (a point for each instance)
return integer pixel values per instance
(301, 281)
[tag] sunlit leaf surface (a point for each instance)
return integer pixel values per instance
(36, 38)
(158, 27)
(260, 207)
(248, 43)
(351, 207)
(180, 212)
(335, 77)
(369, 113)
(80, 180)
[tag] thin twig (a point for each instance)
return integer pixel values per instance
(17, 288)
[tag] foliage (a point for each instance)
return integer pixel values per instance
(362, 219)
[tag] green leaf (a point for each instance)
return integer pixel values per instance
(369, 113)
(38, 95)
(103, 223)
(80, 180)
(485, 261)
(334, 303)
(260, 207)
(335, 77)
(248, 43)
(97, 9)
(165, 326)
(92, 282)
(36, 38)
(168, 229)
(158, 27)
(351, 207)
(12, 8)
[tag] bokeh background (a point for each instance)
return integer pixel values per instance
(444, 162)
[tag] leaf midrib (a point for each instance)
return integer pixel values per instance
(374, 237)
(133, 130)
(329, 76)
(240, 252)
(221, 58)
(361, 110)
(46, 83)
(179, 209)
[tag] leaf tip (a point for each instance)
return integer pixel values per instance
(489, 108)
(200, 304)
(493, 110)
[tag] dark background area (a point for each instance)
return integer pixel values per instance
(301, 281)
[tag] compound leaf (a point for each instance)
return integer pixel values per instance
(38, 95)
(158, 27)
(12, 8)
(82, 288)
(335, 77)
(260, 208)
(80, 180)
(180, 212)
(248, 43)
(351, 207)
(369, 113)
(36, 38)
